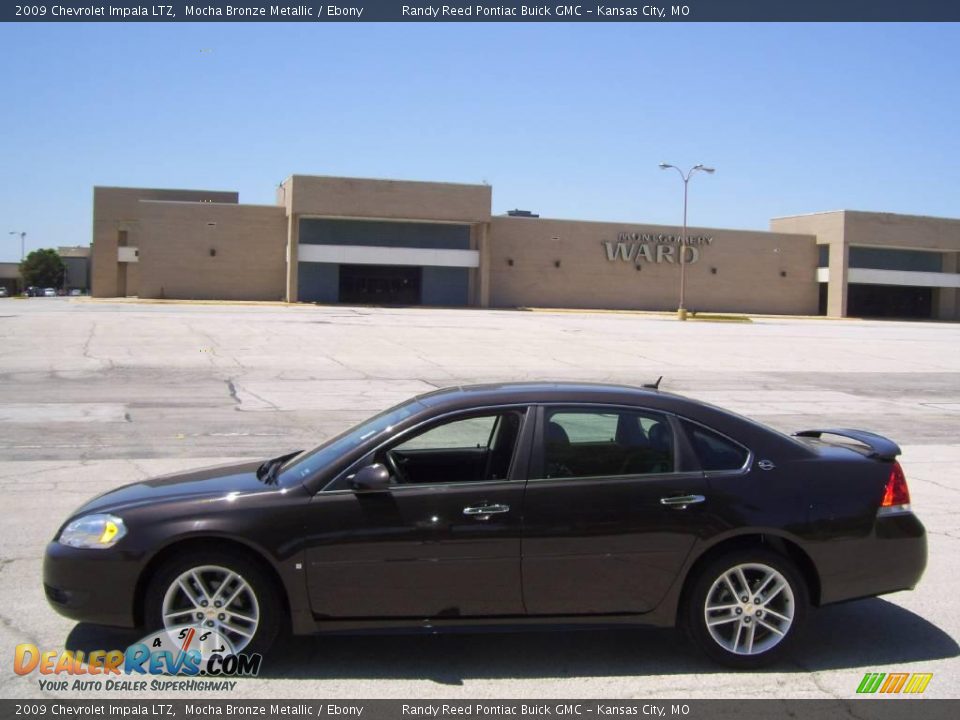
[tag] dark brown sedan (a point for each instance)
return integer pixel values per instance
(545, 503)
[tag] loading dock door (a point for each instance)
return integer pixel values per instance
(381, 284)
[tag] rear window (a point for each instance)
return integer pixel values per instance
(714, 451)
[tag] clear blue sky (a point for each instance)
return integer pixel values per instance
(566, 120)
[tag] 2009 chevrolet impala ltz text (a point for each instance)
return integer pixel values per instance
(501, 505)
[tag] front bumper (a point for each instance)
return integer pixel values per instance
(94, 586)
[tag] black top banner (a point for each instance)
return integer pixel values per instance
(483, 11)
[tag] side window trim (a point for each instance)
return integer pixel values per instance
(523, 436)
(683, 451)
(743, 470)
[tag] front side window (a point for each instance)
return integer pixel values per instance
(604, 443)
(309, 462)
(714, 451)
(468, 433)
(467, 449)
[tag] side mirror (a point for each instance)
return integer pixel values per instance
(372, 478)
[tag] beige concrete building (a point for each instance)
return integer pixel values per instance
(10, 277)
(348, 240)
(883, 265)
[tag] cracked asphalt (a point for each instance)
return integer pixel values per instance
(97, 394)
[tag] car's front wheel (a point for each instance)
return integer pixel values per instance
(215, 590)
(746, 607)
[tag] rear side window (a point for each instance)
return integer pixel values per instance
(714, 451)
(581, 443)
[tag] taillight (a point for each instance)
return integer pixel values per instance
(896, 495)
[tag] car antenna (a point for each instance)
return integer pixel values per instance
(654, 386)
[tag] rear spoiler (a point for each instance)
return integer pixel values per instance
(880, 447)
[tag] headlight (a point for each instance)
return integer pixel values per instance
(94, 531)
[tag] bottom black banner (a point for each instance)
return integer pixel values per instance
(861, 709)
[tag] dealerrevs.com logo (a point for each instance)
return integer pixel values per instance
(184, 652)
(894, 683)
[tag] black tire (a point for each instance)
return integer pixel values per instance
(267, 597)
(694, 613)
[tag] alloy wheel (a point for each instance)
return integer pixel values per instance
(749, 609)
(215, 598)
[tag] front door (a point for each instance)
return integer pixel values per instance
(609, 517)
(442, 542)
(380, 284)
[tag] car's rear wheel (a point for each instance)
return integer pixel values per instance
(745, 607)
(216, 590)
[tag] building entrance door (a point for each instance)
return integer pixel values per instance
(380, 284)
(889, 301)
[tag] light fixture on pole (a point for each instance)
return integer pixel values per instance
(22, 236)
(681, 310)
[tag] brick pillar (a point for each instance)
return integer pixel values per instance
(293, 244)
(837, 286)
(946, 308)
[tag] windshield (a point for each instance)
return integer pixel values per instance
(305, 464)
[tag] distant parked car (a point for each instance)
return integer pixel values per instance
(3, 291)
(33, 291)
(75, 292)
(49, 292)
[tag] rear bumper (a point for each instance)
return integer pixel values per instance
(892, 559)
(95, 586)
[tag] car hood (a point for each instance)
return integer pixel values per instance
(217, 481)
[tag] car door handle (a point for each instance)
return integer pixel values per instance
(483, 510)
(681, 501)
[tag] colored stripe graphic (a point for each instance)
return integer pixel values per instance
(894, 682)
(918, 683)
(870, 682)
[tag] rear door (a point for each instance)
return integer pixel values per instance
(613, 505)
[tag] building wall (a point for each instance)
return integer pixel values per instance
(748, 269)
(175, 240)
(10, 277)
(446, 286)
(904, 231)
(318, 282)
(310, 201)
(523, 261)
(386, 199)
(116, 209)
(828, 228)
(846, 229)
(78, 271)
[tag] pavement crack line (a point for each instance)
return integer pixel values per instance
(86, 348)
(818, 681)
(232, 389)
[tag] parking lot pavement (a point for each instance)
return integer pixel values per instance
(94, 395)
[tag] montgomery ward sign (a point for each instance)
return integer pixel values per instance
(655, 248)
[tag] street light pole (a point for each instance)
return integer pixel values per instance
(22, 236)
(681, 310)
